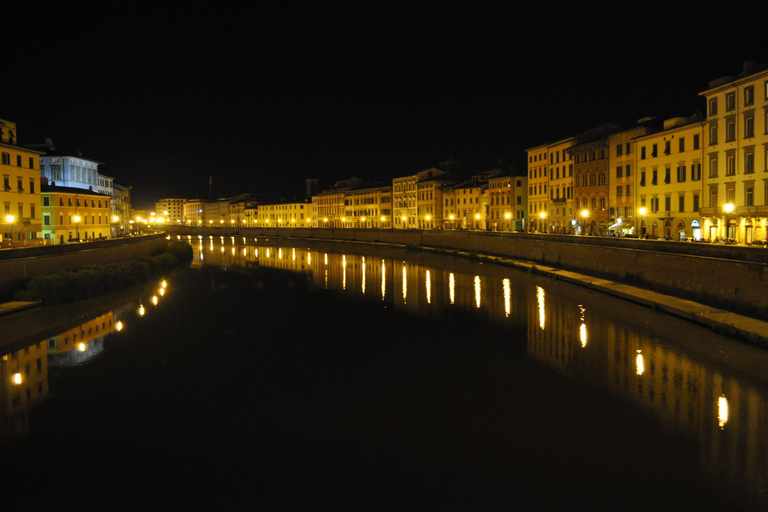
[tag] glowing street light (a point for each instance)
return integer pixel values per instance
(10, 219)
(543, 216)
(584, 214)
(642, 212)
(727, 208)
(76, 218)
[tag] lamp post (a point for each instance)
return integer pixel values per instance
(508, 216)
(543, 216)
(727, 208)
(641, 211)
(584, 215)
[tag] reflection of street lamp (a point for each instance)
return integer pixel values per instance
(76, 218)
(584, 214)
(727, 208)
(10, 219)
(641, 211)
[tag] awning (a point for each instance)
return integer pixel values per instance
(622, 224)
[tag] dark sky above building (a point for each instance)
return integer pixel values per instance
(261, 98)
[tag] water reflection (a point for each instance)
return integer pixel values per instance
(703, 386)
(25, 365)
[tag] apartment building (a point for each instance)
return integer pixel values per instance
(405, 199)
(171, 209)
(560, 214)
(20, 194)
(538, 183)
(284, 215)
(735, 202)
(670, 181)
(368, 207)
(71, 213)
(507, 198)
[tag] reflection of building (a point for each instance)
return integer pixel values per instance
(72, 213)
(24, 375)
(80, 343)
(669, 179)
(20, 191)
(736, 149)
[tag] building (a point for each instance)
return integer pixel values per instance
(622, 178)
(590, 179)
(331, 208)
(285, 215)
(405, 199)
(538, 183)
(71, 214)
(20, 194)
(122, 217)
(669, 179)
(368, 207)
(560, 211)
(736, 156)
(171, 209)
(194, 214)
(467, 205)
(507, 208)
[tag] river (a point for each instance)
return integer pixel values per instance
(286, 375)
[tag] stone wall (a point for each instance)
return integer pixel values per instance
(18, 265)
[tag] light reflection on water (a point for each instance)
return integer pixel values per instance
(692, 381)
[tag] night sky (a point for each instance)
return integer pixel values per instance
(262, 98)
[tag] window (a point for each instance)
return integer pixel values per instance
(712, 134)
(713, 167)
(46, 201)
(667, 203)
(749, 161)
(642, 153)
(730, 130)
(655, 178)
(619, 190)
(749, 125)
(681, 144)
(6, 159)
(749, 194)
(654, 151)
(619, 149)
(629, 171)
(667, 176)
(749, 96)
(695, 172)
(619, 171)
(696, 141)
(601, 179)
(730, 165)
(695, 202)
(46, 220)
(681, 203)
(31, 186)
(713, 105)
(667, 147)
(680, 173)
(730, 101)
(629, 190)
(642, 178)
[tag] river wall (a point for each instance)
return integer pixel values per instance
(18, 265)
(727, 276)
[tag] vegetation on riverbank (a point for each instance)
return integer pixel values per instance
(93, 280)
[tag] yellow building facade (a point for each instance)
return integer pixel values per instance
(20, 192)
(669, 187)
(368, 208)
(284, 215)
(735, 201)
(538, 184)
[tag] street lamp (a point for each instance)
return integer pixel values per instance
(584, 214)
(641, 211)
(10, 219)
(76, 218)
(727, 208)
(543, 216)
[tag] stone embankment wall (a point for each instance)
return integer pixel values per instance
(727, 276)
(18, 265)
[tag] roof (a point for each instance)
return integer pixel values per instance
(51, 189)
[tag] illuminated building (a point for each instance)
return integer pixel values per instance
(405, 199)
(507, 198)
(469, 204)
(331, 209)
(171, 208)
(736, 155)
(20, 193)
(560, 214)
(669, 179)
(74, 213)
(284, 215)
(368, 207)
(537, 188)
(430, 189)
(590, 179)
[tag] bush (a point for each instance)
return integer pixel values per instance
(86, 282)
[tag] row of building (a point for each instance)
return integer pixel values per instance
(702, 176)
(699, 177)
(51, 198)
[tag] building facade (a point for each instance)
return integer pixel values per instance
(20, 194)
(71, 214)
(735, 202)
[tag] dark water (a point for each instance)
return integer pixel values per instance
(278, 376)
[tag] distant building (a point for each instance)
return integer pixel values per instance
(507, 196)
(20, 192)
(369, 207)
(171, 209)
(405, 199)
